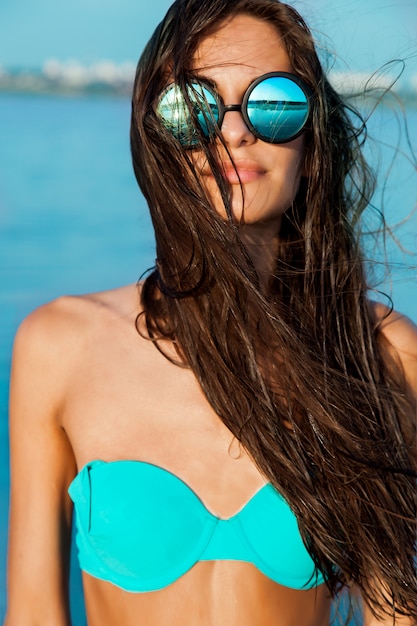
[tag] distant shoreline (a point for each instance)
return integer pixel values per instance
(108, 79)
(70, 78)
(67, 91)
(35, 84)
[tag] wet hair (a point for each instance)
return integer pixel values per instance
(299, 372)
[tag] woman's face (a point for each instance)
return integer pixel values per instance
(241, 50)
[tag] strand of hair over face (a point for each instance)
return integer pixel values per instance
(299, 373)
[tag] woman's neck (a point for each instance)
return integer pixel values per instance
(261, 242)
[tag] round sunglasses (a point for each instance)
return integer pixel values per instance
(276, 107)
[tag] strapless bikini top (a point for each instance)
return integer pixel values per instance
(141, 528)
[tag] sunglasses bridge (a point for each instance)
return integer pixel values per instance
(230, 107)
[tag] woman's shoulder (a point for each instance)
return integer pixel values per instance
(397, 328)
(400, 333)
(69, 317)
(55, 335)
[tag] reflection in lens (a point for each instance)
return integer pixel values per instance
(206, 108)
(175, 116)
(278, 108)
(178, 119)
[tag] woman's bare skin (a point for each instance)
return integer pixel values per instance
(86, 385)
(114, 396)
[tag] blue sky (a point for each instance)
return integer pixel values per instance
(364, 33)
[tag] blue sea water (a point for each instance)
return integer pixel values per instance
(72, 220)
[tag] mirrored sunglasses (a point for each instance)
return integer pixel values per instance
(275, 107)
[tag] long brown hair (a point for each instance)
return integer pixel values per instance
(296, 373)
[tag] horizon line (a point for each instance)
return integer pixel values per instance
(74, 75)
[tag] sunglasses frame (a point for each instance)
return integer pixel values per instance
(243, 107)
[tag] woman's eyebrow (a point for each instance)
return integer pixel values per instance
(205, 79)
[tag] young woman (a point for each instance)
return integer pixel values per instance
(237, 433)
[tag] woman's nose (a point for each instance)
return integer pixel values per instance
(234, 129)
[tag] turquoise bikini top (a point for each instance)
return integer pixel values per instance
(141, 528)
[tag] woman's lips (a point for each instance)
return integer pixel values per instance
(241, 175)
(242, 172)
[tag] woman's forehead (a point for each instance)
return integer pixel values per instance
(243, 41)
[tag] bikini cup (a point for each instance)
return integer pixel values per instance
(141, 528)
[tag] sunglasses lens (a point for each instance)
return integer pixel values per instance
(205, 107)
(277, 108)
(179, 118)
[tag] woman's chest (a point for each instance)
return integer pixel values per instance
(144, 408)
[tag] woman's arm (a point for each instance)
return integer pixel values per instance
(370, 620)
(401, 335)
(42, 465)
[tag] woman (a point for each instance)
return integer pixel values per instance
(237, 434)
